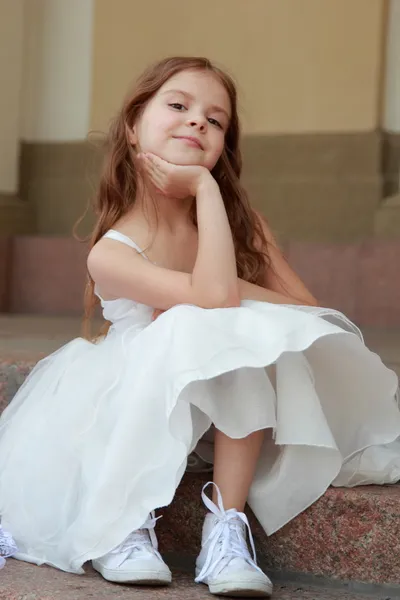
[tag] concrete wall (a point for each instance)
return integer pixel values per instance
(302, 66)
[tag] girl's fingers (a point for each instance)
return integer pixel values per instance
(156, 160)
(158, 163)
(156, 178)
(151, 167)
(157, 181)
(155, 171)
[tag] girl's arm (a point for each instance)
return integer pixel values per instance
(251, 291)
(121, 272)
(215, 264)
(281, 284)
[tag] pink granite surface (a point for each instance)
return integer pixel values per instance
(48, 275)
(330, 271)
(378, 287)
(22, 581)
(13, 372)
(360, 279)
(349, 534)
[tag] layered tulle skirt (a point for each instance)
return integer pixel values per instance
(99, 434)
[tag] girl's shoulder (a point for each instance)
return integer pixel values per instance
(118, 236)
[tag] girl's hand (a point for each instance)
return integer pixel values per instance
(174, 181)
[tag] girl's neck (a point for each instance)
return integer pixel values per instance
(172, 212)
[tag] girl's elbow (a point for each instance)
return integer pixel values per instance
(232, 301)
(220, 297)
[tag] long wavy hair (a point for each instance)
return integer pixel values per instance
(118, 185)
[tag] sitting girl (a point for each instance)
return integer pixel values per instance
(209, 325)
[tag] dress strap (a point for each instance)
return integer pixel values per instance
(124, 239)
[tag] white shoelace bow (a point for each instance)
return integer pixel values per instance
(145, 536)
(228, 536)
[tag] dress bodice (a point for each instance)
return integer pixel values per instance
(124, 308)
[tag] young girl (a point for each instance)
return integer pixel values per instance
(209, 325)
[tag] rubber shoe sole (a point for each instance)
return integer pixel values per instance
(142, 577)
(255, 588)
(241, 589)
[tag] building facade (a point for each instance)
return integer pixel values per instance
(319, 86)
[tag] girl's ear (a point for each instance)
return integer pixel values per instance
(132, 136)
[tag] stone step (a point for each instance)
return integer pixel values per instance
(22, 581)
(359, 278)
(349, 535)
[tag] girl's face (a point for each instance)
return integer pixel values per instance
(186, 121)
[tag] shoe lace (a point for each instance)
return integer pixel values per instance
(227, 539)
(145, 536)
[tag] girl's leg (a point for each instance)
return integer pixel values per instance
(225, 563)
(234, 467)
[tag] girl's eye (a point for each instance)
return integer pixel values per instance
(177, 105)
(215, 122)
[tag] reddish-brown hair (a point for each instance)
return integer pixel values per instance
(118, 183)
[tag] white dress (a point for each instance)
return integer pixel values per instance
(99, 434)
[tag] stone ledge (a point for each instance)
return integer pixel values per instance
(13, 372)
(360, 279)
(347, 535)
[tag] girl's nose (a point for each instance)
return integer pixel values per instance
(199, 123)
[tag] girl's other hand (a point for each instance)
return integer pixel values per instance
(174, 181)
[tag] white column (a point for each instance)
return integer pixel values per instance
(11, 36)
(391, 116)
(57, 69)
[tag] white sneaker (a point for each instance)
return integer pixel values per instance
(136, 560)
(225, 563)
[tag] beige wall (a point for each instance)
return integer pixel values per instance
(302, 65)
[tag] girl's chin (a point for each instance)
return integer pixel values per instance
(183, 159)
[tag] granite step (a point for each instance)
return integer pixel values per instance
(349, 535)
(359, 278)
